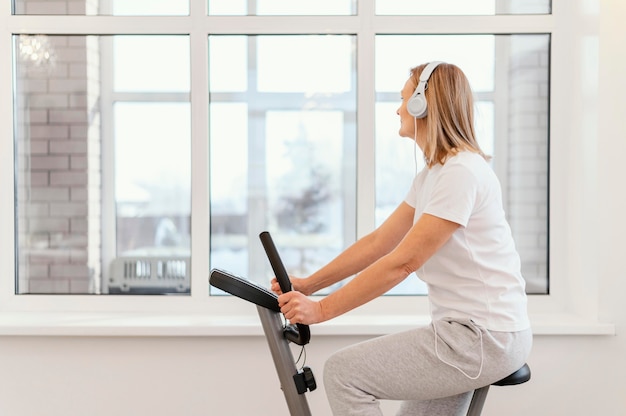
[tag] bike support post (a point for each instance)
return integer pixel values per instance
(283, 360)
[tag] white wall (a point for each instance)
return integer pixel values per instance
(572, 375)
(66, 376)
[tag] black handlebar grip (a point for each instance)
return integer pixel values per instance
(300, 334)
(275, 261)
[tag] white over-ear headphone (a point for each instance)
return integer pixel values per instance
(416, 105)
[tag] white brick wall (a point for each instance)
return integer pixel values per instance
(527, 193)
(58, 163)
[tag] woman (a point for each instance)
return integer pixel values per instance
(451, 230)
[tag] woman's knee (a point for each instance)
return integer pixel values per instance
(333, 370)
(341, 368)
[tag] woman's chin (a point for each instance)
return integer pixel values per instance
(404, 134)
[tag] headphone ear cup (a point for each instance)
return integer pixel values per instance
(416, 106)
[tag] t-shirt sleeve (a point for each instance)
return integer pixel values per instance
(454, 194)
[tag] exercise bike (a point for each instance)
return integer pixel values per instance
(294, 382)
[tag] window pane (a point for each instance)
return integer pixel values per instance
(110, 7)
(136, 58)
(150, 7)
(281, 7)
(462, 7)
(152, 198)
(232, 75)
(305, 64)
(99, 177)
(464, 51)
(283, 155)
(511, 121)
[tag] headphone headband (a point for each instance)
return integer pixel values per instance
(428, 70)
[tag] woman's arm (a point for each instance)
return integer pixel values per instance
(362, 253)
(426, 237)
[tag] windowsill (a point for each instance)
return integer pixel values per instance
(135, 324)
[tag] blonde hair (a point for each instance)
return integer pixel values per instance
(450, 118)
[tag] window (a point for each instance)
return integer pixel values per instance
(103, 7)
(150, 159)
(281, 7)
(282, 149)
(145, 154)
(509, 75)
(461, 7)
(104, 205)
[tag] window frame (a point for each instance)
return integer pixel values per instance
(571, 307)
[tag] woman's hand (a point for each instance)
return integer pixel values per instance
(297, 284)
(300, 309)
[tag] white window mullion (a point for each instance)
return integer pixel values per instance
(366, 143)
(108, 156)
(501, 116)
(200, 245)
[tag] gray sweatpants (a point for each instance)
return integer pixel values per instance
(405, 366)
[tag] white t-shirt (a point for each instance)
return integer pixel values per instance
(476, 274)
